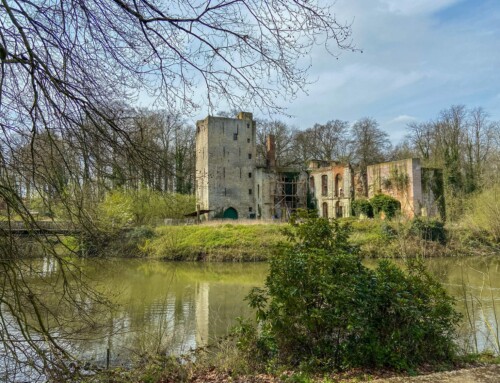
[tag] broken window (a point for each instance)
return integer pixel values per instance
(249, 191)
(235, 136)
(338, 186)
(250, 175)
(324, 184)
(249, 156)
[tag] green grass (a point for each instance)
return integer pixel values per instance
(375, 238)
(227, 242)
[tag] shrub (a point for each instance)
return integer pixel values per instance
(429, 229)
(411, 319)
(484, 213)
(362, 206)
(115, 211)
(322, 308)
(386, 204)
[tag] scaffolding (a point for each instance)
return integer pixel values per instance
(289, 194)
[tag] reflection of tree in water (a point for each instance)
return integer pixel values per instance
(158, 307)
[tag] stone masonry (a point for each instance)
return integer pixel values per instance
(225, 163)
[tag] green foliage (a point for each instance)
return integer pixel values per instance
(115, 211)
(121, 208)
(411, 319)
(321, 308)
(253, 242)
(399, 179)
(362, 206)
(386, 204)
(484, 213)
(151, 206)
(429, 229)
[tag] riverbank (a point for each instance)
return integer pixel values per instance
(481, 374)
(215, 242)
(476, 374)
(375, 238)
(483, 369)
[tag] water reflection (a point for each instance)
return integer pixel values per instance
(166, 307)
(475, 284)
(175, 307)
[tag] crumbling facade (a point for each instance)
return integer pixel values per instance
(230, 183)
(419, 190)
(331, 185)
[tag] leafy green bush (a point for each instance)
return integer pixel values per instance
(411, 319)
(115, 211)
(322, 308)
(429, 229)
(386, 204)
(142, 207)
(484, 213)
(362, 206)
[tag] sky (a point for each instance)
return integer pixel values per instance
(418, 58)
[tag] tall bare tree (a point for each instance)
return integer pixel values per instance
(65, 66)
(369, 145)
(462, 142)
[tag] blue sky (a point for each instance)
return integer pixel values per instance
(419, 57)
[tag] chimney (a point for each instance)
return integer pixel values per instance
(271, 151)
(244, 116)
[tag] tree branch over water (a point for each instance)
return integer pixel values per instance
(68, 68)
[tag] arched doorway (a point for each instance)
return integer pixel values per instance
(338, 210)
(325, 210)
(230, 213)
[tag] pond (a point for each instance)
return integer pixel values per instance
(177, 307)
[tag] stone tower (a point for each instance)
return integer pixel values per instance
(225, 165)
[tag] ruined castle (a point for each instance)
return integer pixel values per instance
(232, 183)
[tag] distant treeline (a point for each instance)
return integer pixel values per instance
(155, 150)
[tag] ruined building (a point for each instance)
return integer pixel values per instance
(419, 190)
(231, 183)
(333, 186)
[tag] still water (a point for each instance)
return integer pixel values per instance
(177, 307)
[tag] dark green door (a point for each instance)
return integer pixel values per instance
(230, 213)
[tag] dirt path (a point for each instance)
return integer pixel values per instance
(487, 374)
(484, 374)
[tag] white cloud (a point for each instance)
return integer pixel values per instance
(415, 7)
(402, 119)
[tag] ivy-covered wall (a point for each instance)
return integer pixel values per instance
(419, 190)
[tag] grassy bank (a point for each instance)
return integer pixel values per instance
(218, 242)
(419, 238)
(255, 241)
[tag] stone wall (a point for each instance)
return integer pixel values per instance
(331, 186)
(225, 164)
(416, 188)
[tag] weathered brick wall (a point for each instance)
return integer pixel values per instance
(338, 194)
(400, 180)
